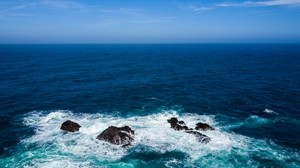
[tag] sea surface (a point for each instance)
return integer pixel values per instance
(250, 93)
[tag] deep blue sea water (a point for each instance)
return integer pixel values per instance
(249, 92)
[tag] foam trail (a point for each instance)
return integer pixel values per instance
(50, 146)
(253, 121)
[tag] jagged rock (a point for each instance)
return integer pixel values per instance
(177, 125)
(201, 137)
(203, 127)
(180, 125)
(117, 135)
(70, 126)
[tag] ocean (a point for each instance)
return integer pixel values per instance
(250, 93)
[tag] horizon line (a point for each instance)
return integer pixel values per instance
(146, 43)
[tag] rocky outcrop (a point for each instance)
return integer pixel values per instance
(70, 126)
(117, 135)
(203, 127)
(125, 135)
(180, 125)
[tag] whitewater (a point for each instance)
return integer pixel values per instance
(154, 140)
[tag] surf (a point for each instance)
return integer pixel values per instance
(49, 146)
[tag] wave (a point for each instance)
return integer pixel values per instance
(268, 111)
(256, 121)
(253, 121)
(51, 147)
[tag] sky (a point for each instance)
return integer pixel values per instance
(149, 21)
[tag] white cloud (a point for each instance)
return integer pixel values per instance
(262, 3)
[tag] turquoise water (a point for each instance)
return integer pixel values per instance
(249, 93)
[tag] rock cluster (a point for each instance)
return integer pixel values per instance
(125, 135)
(180, 125)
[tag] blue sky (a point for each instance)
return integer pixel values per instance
(152, 21)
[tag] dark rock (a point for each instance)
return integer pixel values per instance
(126, 145)
(70, 126)
(173, 120)
(177, 125)
(180, 125)
(185, 128)
(117, 135)
(203, 127)
(201, 137)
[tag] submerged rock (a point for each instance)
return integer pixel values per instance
(201, 137)
(117, 135)
(70, 126)
(203, 127)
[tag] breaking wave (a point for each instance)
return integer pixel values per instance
(154, 140)
(269, 111)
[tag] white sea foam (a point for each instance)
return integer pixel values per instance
(82, 149)
(152, 131)
(269, 111)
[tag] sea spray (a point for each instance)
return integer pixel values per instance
(154, 138)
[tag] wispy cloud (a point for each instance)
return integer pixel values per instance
(62, 4)
(17, 11)
(262, 3)
(196, 8)
(65, 6)
(122, 11)
(18, 7)
(199, 9)
(111, 22)
(250, 3)
(155, 20)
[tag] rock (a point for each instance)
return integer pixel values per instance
(180, 125)
(201, 137)
(117, 135)
(203, 127)
(126, 145)
(70, 126)
(177, 125)
(173, 121)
